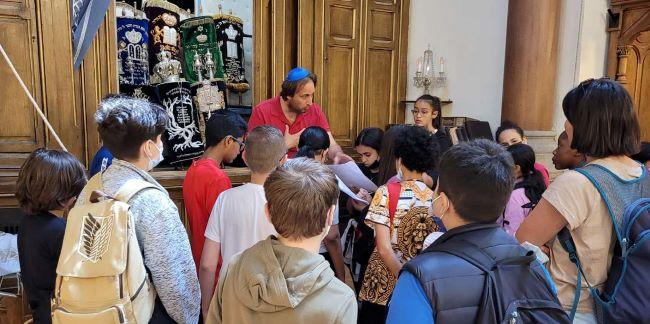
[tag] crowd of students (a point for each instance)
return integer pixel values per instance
(418, 249)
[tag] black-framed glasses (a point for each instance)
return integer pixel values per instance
(241, 144)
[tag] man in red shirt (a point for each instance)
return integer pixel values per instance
(293, 111)
(205, 179)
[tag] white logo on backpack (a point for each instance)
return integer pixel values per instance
(95, 237)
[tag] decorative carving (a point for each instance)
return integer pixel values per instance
(621, 74)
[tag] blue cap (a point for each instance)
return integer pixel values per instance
(296, 74)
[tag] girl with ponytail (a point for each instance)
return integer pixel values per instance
(314, 143)
(528, 190)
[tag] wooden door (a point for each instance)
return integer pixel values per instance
(21, 131)
(337, 66)
(384, 65)
(629, 55)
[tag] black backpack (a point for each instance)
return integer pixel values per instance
(626, 295)
(515, 289)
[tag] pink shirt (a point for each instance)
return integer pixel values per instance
(514, 214)
(542, 169)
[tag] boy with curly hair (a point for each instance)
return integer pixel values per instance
(399, 215)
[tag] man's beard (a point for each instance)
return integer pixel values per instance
(294, 108)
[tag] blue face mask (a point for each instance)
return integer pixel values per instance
(153, 162)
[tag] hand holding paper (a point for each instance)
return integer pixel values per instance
(344, 189)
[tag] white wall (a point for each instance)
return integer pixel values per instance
(471, 36)
(583, 48)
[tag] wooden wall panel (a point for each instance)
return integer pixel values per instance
(339, 96)
(339, 68)
(379, 90)
(382, 69)
(275, 33)
(21, 131)
(96, 78)
(59, 103)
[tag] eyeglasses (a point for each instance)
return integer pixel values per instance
(241, 144)
(420, 112)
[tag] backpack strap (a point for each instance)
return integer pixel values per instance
(394, 189)
(468, 252)
(617, 193)
(564, 236)
(131, 188)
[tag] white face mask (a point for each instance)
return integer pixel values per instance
(155, 161)
(400, 174)
(431, 211)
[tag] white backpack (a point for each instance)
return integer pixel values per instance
(101, 277)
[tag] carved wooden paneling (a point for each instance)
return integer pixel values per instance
(629, 56)
(21, 131)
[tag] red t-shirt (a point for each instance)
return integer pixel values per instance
(269, 112)
(203, 183)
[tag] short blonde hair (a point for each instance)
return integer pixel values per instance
(264, 149)
(299, 195)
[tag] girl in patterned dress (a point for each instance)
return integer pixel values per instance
(398, 237)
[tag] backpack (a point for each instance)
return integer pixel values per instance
(626, 295)
(513, 290)
(101, 277)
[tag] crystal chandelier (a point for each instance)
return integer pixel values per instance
(425, 74)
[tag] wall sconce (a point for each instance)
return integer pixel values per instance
(425, 75)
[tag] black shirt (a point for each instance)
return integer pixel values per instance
(373, 176)
(40, 238)
(444, 143)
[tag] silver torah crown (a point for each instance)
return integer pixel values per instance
(168, 69)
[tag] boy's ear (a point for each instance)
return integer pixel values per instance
(283, 160)
(330, 216)
(267, 213)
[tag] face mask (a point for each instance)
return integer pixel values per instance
(400, 174)
(155, 161)
(374, 165)
(432, 208)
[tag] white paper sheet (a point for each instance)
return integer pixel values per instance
(346, 190)
(352, 176)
